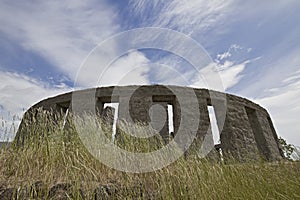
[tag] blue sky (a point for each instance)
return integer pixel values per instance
(255, 44)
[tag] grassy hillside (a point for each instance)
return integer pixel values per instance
(54, 165)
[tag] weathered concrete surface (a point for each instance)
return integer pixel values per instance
(237, 138)
(247, 132)
(107, 115)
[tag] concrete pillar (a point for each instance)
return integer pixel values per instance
(108, 114)
(123, 110)
(159, 119)
(84, 102)
(139, 109)
(186, 123)
(237, 138)
(271, 146)
(176, 116)
(99, 106)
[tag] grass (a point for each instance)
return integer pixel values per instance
(53, 155)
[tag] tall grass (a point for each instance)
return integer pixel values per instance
(54, 154)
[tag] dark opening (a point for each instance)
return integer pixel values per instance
(258, 133)
(62, 107)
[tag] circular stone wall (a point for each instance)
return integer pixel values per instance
(246, 129)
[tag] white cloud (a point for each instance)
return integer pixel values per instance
(284, 107)
(227, 54)
(220, 74)
(273, 73)
(63, 32)
(17, 93)
(131, 69)
(224, 55)
(172, 70)
(231, 73)
(292, 78)
(184, 15)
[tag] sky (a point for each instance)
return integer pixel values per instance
(254, 44)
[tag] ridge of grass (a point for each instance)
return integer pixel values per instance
(55, 155)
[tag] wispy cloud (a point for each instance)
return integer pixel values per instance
(229, 52)
(284, 107)
(274, 74)
(231, 73)
(127, 70)
(18, 92)
(183, 15)
(62, 32)
(194, 18)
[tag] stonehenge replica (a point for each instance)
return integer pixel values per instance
(246, 129)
